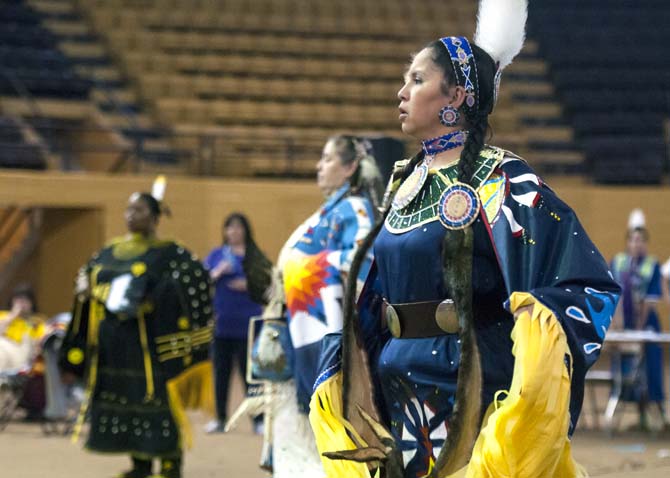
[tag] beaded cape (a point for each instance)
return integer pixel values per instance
(425, 206)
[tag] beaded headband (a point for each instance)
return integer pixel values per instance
(465, 68)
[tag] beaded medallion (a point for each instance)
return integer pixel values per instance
(410, 187)
(458, 206)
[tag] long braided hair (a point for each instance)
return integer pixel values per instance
(478, 127)
(477, 124)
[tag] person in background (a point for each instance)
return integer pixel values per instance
(21, 331)
(62, 400)
(314, 264)
(639, 275)
(140, 338)
(21, 328)
(665, 287)
(307, 289)
(233, 307)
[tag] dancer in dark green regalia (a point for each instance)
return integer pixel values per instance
(140, 338)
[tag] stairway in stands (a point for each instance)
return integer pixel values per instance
(21, 147)
(609, 62)
(34, 78)
(20, 234)
(549, 136)
(116, 101)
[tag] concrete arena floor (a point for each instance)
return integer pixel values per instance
(25, 452)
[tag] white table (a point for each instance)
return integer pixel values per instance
(618, 337)
(619, 342)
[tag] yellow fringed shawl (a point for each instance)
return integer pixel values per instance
(330, 429)
(524, 436)
(191, 389)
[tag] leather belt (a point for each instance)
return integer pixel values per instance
(416, 320)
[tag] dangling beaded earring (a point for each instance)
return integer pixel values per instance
(449, 116)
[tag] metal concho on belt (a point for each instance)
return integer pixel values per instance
(444, 317)
(393, 321)
(458, 206)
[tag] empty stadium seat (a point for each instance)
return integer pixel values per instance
(611, 71)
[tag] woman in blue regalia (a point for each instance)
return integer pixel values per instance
(639, 275)
(316, 259)
(308, 290)
(484, 285)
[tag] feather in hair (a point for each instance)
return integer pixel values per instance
(158, 188)
(636, 219)
(501, 29)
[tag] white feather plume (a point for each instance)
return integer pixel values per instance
(636, 219)
(501, 29)
(665, 269)
(158, 189)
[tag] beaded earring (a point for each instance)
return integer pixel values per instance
(449, 116)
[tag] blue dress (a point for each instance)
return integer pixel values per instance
(419, 375)
(318, 254)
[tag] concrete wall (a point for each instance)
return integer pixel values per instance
(83, 210)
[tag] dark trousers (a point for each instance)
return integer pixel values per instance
(224, 353)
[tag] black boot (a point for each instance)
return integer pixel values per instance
(170, 468)
(141, 469)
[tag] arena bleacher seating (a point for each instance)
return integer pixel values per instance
(187, 83)
(15, 151)
(266, 80)
(30, 59)
(612, 76)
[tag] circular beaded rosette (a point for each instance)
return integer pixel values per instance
(458, 206)
(449, 116)
(410, 188)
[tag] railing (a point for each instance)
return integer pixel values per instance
(22, 91)
(204, 151)
(33, 106)
(19, 236)
(49, 127)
